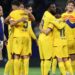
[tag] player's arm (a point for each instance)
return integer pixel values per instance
(58, 24)
(31, 17)
(72, 25)
(32, 33)
(47, 31)
(14, 23)
(7, 19)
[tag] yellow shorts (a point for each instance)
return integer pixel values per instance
(45, 48)
(73, 50)
(71, 47)
(9, 46)
(60, 51)
(21, 46)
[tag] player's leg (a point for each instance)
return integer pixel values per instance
(7, 66)
(73, 61)
(1, 47)
(61, 66)
(59, 55)
(68, 66)
(48, 55)
(21, 66)
(54, 65)
(41, 57)
(71, 47)
(17, 48)
(73, 65)
(45, 50)
(26, 65)
(42, 66)
(66, 60)
(54, 62)
(45, 66)
(72, 55)
(25, 54)
(27, 58)
(16, 65)
(11, 71)
(6, 70)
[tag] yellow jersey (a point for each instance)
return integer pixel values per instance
(45, 24)
(10, 30)
(45, 42)
(70, 32)
(20, 28)
(59, 35)
(49, 21)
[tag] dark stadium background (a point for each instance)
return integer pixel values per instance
(39, 7)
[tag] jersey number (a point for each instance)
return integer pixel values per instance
(62, 32)
(26, 25)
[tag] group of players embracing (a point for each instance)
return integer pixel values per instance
(56, 39)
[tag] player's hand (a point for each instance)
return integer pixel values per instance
(23, 19)
(28, 12)
(42, 31)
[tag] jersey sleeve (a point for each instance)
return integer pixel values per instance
(50, 26)
(32, 33)
(11, 13)
(57, 24)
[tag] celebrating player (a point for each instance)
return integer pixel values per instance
(45, 40)
(31, 33)
(60, 45)
(69, 17)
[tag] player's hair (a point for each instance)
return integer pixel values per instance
(71, 1)
(50, 9)
(49, 4)
(21, 2)
(15, 2)
(28, 5)
(59, 10)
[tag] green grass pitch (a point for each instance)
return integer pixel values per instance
(32, 71)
